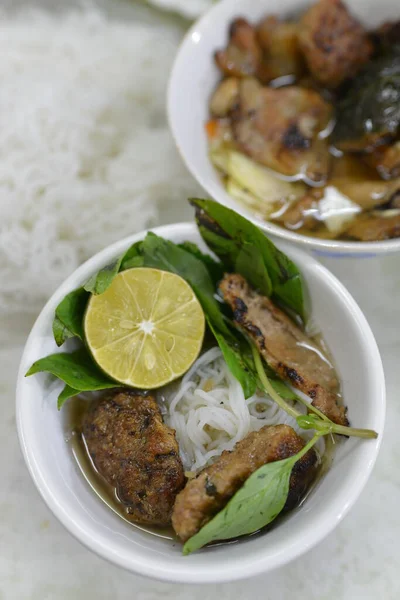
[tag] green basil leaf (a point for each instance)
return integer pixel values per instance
(250, 261)
(167, 256)
(60, 332)
(133, 263)
(236, 364)
(258, 502)
(133, 257)
(101, 281)
(76, 369)
(67, 392)
(226, 232)
(239, 359)
(215, 269)
(68, 321)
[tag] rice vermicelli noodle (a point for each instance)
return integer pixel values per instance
(210, 413)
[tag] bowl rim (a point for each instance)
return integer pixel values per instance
(323, 247)
(195, 573)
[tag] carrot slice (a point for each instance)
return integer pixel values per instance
(212, 128)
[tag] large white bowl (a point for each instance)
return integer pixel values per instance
(51, 464)
(194, 77)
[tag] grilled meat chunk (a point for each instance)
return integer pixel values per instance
(280, 128)
(369, 193)
(224, 97)
(302, 212)
(136, 453)
(334, 43)
(374, 228)
(290, 353)
(242, 56)
(204, 496)
(386, 160)
(281, 52)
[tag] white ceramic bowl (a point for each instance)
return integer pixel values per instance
(194, 77)
(51, 464)
(369, 270)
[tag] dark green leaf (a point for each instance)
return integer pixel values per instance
(77, 370)
(60, 332)
(167, 256)
(226, 233)
(254, 506)
(239, 359)
(68, 321)
(101, 281)
(133, 257)
(234, 360)
(249, 260)
(215, 269)
(369, 109)
(67, 392)
(133, 263)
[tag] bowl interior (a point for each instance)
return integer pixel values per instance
(194, 77)
(43, 436)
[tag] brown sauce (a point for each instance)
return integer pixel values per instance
(347, 174)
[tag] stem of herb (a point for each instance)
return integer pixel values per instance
(322, 423)
(312, 409)
(309, 445)
(268, 387)
(354, 432)
(326, 428)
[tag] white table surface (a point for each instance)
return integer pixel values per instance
(39, 560)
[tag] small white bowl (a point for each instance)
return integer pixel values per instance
(42, 431)
(193, 79)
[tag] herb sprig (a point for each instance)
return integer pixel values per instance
(264, 494)
(257, 503)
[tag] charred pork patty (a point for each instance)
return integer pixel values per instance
(136, 453)
(292, 355)
(204, 496)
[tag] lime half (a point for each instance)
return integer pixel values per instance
(146, 329)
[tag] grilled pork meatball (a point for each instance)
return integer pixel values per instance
(136, 453)
(334, 43)
(284, 346)
(205, 496)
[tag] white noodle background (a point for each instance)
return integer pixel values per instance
(86, 157)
